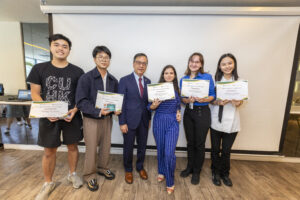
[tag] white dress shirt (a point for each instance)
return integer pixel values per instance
(104, 87)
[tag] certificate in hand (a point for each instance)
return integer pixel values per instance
(235, 90)
(43, 109)
(161, 91)
(195, 88)
(112, 101)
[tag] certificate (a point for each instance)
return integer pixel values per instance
(112, 101)
(235, 90)
(195, 88)
(161, 91)
(43, 109)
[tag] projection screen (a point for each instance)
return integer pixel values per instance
(263, 45)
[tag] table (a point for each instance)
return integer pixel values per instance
(17, 103)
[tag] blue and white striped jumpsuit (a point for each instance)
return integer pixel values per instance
(166, 131)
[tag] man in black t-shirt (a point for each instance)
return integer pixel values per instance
(57, 81)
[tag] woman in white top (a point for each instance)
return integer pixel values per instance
(225, 123)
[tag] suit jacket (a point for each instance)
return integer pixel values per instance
(134, 108)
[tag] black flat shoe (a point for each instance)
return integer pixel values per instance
(216, 179)
(195, 179)
(186, 172)
(92, 185)
(227, 181)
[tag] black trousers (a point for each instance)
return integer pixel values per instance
(196, 124)
(221, 163)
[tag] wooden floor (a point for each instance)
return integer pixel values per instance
(21, 178)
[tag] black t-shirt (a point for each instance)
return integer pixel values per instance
(57, 84)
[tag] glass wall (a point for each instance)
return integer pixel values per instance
(36, 44)
(16, 128)
(291, 145)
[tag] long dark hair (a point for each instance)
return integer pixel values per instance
(175, 81)
(219, 72)
(201, 70)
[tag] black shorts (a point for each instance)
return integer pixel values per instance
(49, 132)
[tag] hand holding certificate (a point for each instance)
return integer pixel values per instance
(48, 109)
(160, 91)
(112, 101)
(195, 88)
(235, 90)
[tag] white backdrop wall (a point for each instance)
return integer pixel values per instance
(263, 45)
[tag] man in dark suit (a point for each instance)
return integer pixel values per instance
(135, 118)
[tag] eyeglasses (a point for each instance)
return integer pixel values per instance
(141, 63)
(105, 58)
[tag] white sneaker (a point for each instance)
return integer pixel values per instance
(45, 191)
(20, 123)
(75, 180)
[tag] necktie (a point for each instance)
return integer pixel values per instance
(141, 87)
(220, 114)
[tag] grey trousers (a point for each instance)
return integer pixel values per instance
(97, 133)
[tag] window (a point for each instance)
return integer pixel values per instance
(36, 44)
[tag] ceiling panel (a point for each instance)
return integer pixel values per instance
(176, 2)
(29, 10)
(21, 10)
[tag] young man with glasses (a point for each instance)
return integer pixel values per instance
(135, 118)
(57, 81)
(97, 123)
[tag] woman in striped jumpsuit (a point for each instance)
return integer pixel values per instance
(166, 129)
